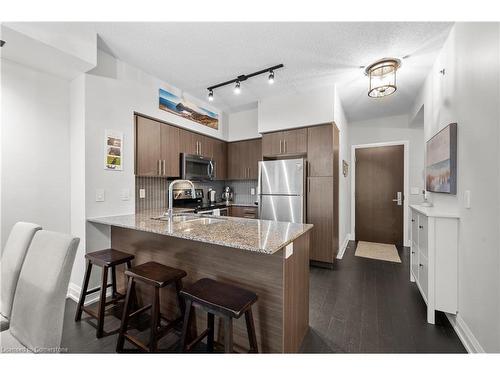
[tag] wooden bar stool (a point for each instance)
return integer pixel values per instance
(108, 258)
(157, 276)
(227, 302)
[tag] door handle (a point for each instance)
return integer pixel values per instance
(399, 198)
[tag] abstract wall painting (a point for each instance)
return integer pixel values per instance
(441, 161)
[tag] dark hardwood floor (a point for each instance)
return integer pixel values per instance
(370, 306)
(361, 306)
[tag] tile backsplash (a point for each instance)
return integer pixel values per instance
(156, 189)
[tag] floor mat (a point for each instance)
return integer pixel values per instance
(379, 251)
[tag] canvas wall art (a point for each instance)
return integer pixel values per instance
(441, 161)
(172, 103)
(113, 150)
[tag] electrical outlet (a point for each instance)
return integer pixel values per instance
(125, 194)
(99, 195)
(142, 193)
(467, 199)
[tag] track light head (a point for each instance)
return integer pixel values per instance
(237, 88)
(271, 77)
(210, 95)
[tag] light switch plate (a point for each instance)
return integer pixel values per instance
(289, 250)
(125, 194)
(252, 191)
(99, 195)
(467, 199)
(142, 193)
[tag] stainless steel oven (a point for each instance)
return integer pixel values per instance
(197, 168)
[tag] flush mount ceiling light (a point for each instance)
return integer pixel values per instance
(244, 77)
(382, 76)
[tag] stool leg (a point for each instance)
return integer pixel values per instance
(113, 281)
(210, 337)
(83, 293)
(180, 300)
(102, 302)
(125, 316)
(135, 304)
(252, 338)
(185, 326)
(155, 313)
(228, 334)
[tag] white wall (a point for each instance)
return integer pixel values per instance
(395, 128)
(243, 125)
(35, 170)
(311, 107)
(344, 182)
(469, 94)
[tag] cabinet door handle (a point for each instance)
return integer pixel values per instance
(200, 148)
(159, 167)
(164, 168)
(413, 252)
(421, 226)
(280, 145)
(412, 220)
(308, 185)
(420, 265)
(284, 146)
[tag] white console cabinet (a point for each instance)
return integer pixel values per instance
(434, 258)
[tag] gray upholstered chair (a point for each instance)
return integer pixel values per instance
(37, 313)
(10, 266)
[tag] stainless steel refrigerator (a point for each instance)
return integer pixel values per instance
(281, 190)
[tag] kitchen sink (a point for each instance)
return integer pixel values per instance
(191, 219)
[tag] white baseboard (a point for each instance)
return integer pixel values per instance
(343, 248)
(75, 290)
(465, 334)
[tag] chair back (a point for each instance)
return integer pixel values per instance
(13, 256)
(38, 309)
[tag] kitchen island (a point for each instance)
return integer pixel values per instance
(267, 257)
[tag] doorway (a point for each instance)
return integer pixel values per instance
(379, 184)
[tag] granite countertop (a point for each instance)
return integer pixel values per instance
(262, 236)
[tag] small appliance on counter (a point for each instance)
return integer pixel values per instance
(227, 195)
(212, 194)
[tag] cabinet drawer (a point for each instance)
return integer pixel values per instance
(423, 274)
(242, 211)
(414, 259)
(423, 234)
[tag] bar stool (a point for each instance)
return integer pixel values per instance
(157, 276)
(108, 258)
(227, 302)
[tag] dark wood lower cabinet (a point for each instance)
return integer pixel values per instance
(243, 211)
(320, 209)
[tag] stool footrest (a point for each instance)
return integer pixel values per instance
(139, 311)
(93, 290)
(136, 342)
(197, 340)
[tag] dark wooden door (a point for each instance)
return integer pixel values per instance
(147, 147)
(379, 178)
(320, 150)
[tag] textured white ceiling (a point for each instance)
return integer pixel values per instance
(193, 56)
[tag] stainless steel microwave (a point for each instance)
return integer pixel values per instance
(197, 168)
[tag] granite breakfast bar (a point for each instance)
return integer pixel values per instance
(268, 257)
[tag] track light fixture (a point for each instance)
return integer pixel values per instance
(244, 77)
(271, 77)
(237, 88)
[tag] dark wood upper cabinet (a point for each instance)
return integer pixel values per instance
(243, 158)
(288, 142)
(170, 151)
(320, 150)
(220, 157)
(147, 147)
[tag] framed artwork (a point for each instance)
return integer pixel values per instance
(113, 150)
(172, 103)
(441, 161)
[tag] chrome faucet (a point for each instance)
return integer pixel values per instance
(170, 210)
